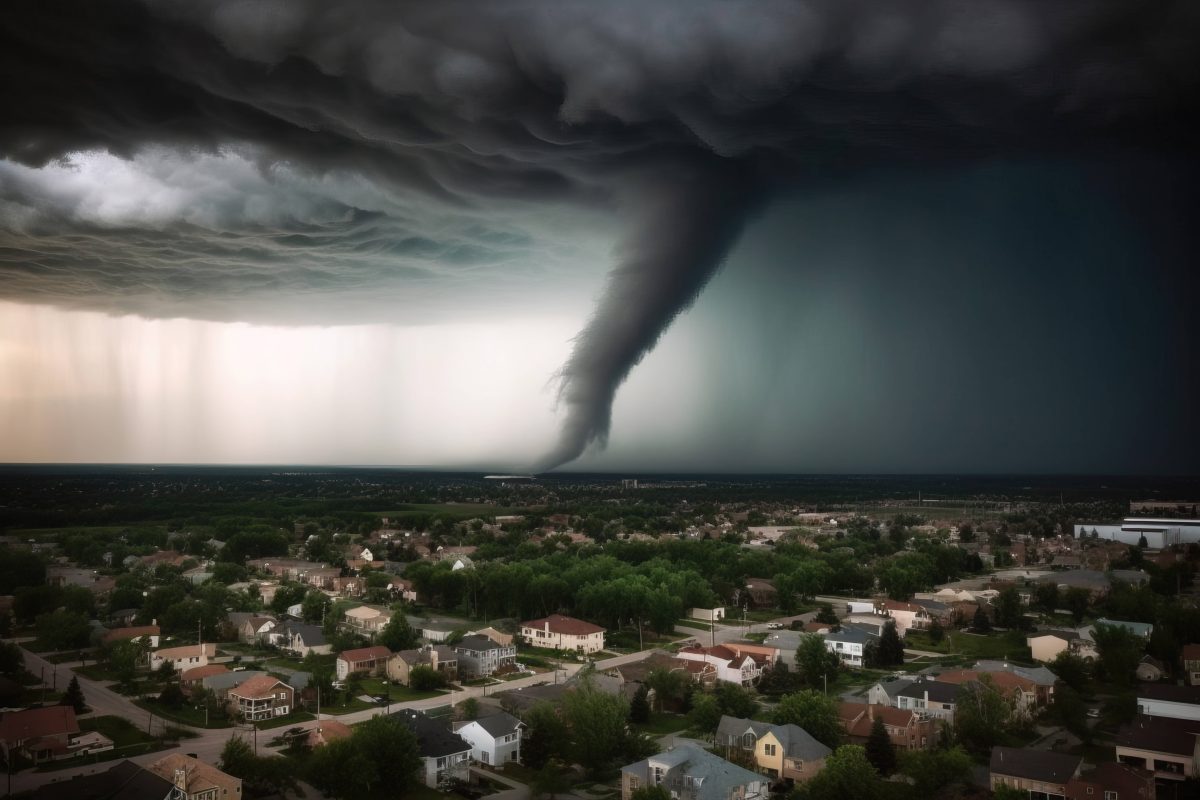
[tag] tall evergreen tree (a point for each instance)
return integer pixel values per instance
(73, 697)
(890, 652)
(880, 751)
(639, 706)
(981, 623)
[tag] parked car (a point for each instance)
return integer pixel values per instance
(774, 626)
(1093, 712)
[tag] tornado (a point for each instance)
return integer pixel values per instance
(683, 222)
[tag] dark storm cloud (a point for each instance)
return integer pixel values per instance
(682, 116)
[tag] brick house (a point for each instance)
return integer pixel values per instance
(262, 697)
(371, 660)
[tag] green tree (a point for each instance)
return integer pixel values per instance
(398, 634)
(469, 708)
(668, 685)
(123, 659)
(426, 679)
(546, 736)
(1078, 601)
(63, 630)
(1119, 651)
(889, 650)
(650, 793)
(551, 780)
(813, 711)
(313, 607)
(826, 615)
(639, 706)
(1073, 670)
(597, 724)
(936, 631)
(171, 696)
(735, 700)
(814, 661)
(705, 714)
(388, 743)
(11, 660)
(880, 751)
(73, 696)
(980, 622)
(933, 770)
(340, 770)
(981, 715)
(1045, 596)
(847, 773)
(1071, 712)
(1008, 609)
(237, 758)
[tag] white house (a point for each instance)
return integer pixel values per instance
(849, 645)
(563, 633)
(732, 667)
(181, 658)
(1169, 700)
(494, 739)
(905, 615)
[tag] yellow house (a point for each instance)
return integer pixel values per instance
(785, 752)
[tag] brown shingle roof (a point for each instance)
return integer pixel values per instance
(376, 653)
(33, 723)
(257, 688)
(121, 634)
(1037, 765)
(200, 673)
(557, 623)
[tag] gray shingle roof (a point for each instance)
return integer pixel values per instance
(717, 777)
(1038, 765)
(498, 725)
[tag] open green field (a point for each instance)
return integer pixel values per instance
(293, 718)
(1009, 645)
(661, 723)
(186, 714)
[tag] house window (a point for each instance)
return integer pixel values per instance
(769, 749)
(486, 757)
(1110, 796)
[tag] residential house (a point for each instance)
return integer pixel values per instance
(366, 620)
(444, 755)
(222, 683)
(785, 642)
(907, 616)
(300, 638)
(1097, 583)
(884, 692)
(708, 614)
(479, 656)
(1043, 773)
(1047, 644)
(742, 670)
(1019, 691)
(326, 731)
(405, 589)
(763, 654)
(1169, 700)
(435, 656)
(907, 729)
(495, 739)
(186, 657)
(254, 629)
(1142, 629)
(558, 632)
(496, 636)
(1111, 781)
(1168, 747)
(849, 644)
(191, 678)
(634, 674)
(1190, 656)
(439, 631)
(123, 781)
(1150, 669)
(760, 593)
(786, 752)
(1042, 677)
(370, 660)
(687, 771)
(930, 697)
(39, 734)
(193, 779)
(146, 634)
(262, 697)
(942, 612)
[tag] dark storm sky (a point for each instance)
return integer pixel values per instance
(937, 238)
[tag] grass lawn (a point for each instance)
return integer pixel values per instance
(533, 661)
(128, 740)
(661, 723)
(518, 772)
(627, 641)
(97, 672)
(1009, 645)
(399, 694)
(545, 652)
(289, 719)
(186, 714)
